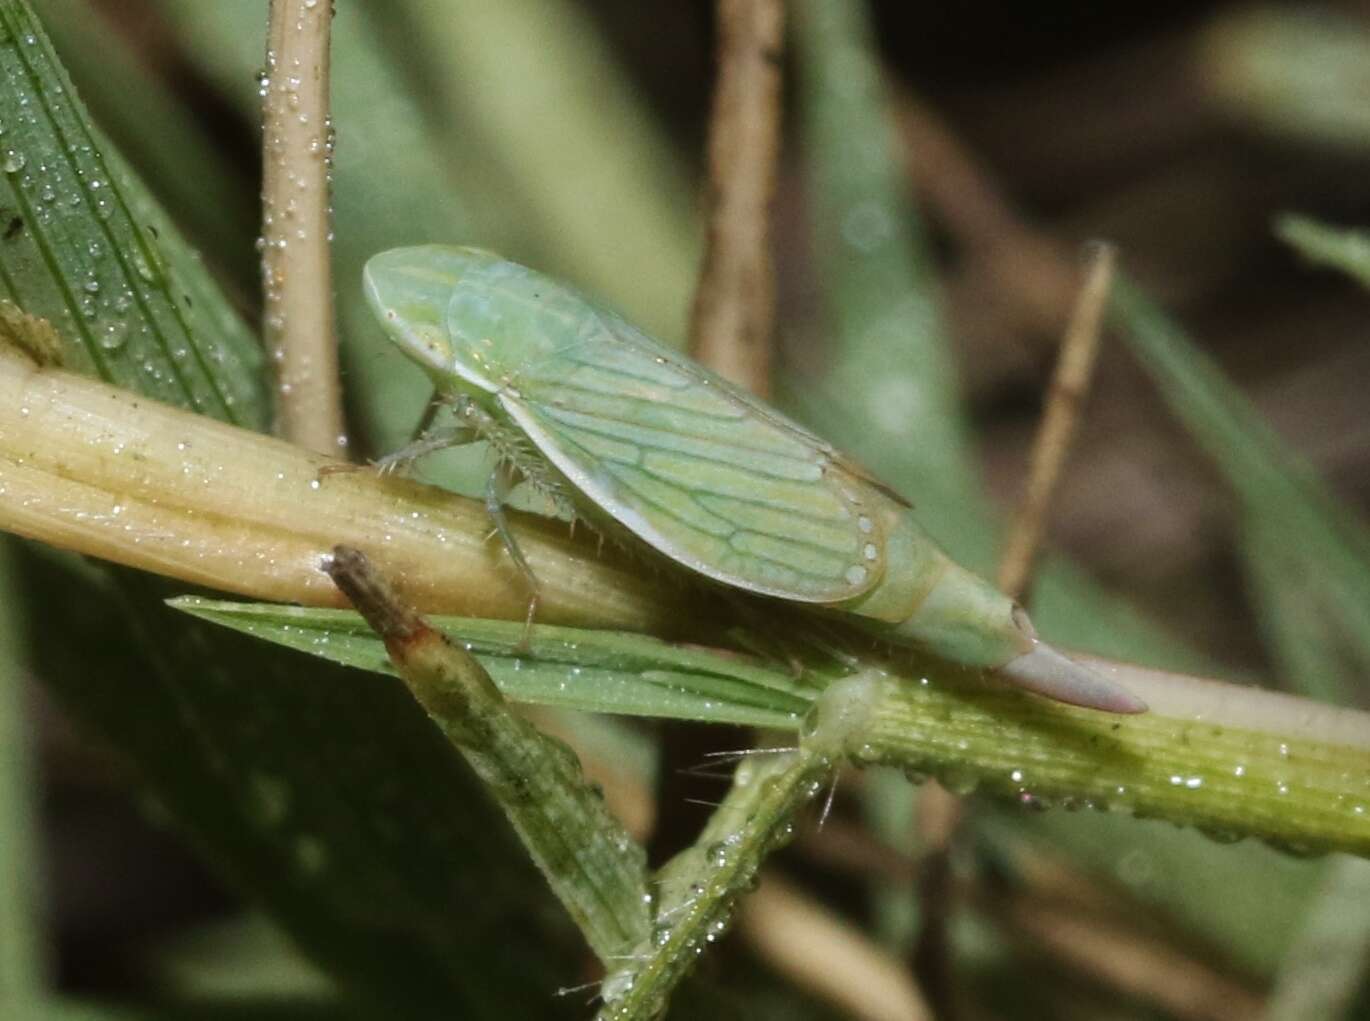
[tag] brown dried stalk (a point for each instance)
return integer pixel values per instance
(730, 329)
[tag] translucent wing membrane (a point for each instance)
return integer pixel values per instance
(697, 469)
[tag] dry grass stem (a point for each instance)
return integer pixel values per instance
(730, 328)
(940, 812)
(297, 276)
(1124, 959)
(1069, 387)
(827, 956)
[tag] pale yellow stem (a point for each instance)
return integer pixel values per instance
(106, 472)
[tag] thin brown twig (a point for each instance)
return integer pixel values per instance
(939, 812)
(297, 278)
(1069, 386)
(1035, 272)
(730, 328)
(985, 224)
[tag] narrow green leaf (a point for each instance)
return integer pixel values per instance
(1276, 487)
(569, 668)
(889, 367)
(1292, 772)
(1345, 249)
(22, 971)
(185, 160)
(87, 249)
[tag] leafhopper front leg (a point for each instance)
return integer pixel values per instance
(429, 442)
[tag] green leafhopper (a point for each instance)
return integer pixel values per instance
(639, 438)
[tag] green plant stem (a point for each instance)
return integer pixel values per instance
(593, 866)
(1233, 762)
(697, 889)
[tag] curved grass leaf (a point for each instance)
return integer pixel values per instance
(568, 668)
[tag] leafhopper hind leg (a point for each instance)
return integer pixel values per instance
(497, 488)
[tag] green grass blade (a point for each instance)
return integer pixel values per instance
(93, 254)
(696, 890)
(567, 668)
(1276, 488)
(1344, 249)
(184, 161)
(889, 366)
(597, 176)
(22, 972)
(1290, 772)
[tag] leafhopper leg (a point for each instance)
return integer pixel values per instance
(497, 487)
(429, 443)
